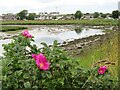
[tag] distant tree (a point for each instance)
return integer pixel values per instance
(31, 16)
(103, 15)
(96, 15)
(78, 14)
(115, 13)
(23, 14)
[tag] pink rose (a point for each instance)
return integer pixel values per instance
(41, 61)
(102, 70)
(26, 34)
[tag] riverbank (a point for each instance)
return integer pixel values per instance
(63, 22)
(12, 28)
(95, 51)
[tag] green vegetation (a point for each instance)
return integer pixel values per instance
(96, 15)
(103, 15)
(20, 70)
(12, 28)
(23, 14)
(78, 14)
(0, 69)
(115, 14)
(61, 22)
(105, 51)
(31, 16)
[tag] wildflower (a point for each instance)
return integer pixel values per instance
(26, 34)
(41, 61)
(102, 70)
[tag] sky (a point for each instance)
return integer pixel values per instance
(62, 6)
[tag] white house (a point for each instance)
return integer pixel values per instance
(88, 16)
(46, 16)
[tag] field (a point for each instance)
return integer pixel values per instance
(61, 22)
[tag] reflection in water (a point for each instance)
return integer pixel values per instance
(78, 30)
(47, 39)
(50, 33)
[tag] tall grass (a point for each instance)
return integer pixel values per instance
(107, 50)
(0, 70)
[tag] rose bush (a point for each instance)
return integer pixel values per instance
(27, 66)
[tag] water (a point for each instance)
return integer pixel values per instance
(50, 33)
(3, 42)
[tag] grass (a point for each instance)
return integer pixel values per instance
(61, 22)
(89, 57)
(105, 51)
(0, 69)
(12, 28)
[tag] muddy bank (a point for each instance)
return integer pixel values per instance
(77, 46)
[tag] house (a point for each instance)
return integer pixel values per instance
(60, 17)
(108, 16)
(54, 13)
(43, 13)
(43, 17)
(47, 16)
(9, 16)
(88, 16)
(65, 17)
(69, 17)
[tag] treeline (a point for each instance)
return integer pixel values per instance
(78, 14)
(115, 14)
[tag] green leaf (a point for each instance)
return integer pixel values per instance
(55, 43)
(19, 73)
(35, 87)
(27, 85)
(49, 75)
(26, 76)
(44, 44)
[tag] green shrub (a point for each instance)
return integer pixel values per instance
(20, 70)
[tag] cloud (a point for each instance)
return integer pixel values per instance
(62, 5)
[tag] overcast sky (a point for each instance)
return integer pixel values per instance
(63, 6)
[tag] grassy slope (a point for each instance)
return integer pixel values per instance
(108, 51)
(0, 70)
(61, 22)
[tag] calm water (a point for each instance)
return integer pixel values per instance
(50, 33)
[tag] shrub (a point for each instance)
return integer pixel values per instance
(21, 71)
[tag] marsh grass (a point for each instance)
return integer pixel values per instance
(12, 28)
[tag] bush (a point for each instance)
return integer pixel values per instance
(21, 71)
